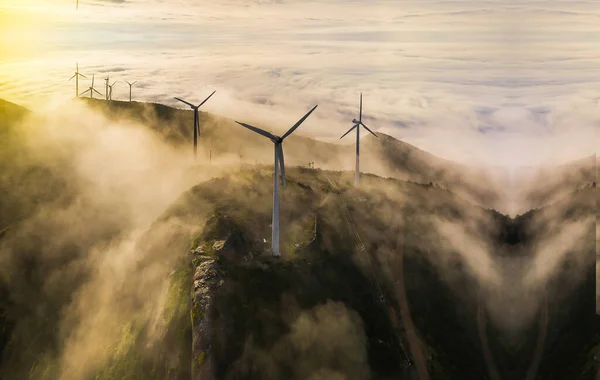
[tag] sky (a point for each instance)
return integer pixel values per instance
(503, 83)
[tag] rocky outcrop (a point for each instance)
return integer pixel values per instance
(205, 282)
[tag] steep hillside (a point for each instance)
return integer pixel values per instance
(367, 286)
(340, 263)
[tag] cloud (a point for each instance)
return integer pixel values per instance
(505, 87)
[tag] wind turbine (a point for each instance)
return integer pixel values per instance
(279, 163)
(196, 120)
(357, 124)
(110, 86)
(77, 5)
(91, 89)
(106, 87)
(76, 76)
(130, 85)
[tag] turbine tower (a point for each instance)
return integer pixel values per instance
(278, 164)
(357, 124)
(91, 90)
(76, 76)
(130, 85)
(110, 86)
(106, 86)
(196, 120)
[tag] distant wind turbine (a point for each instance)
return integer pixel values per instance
(106, 86)
(130, 85)
(279, 163)
(77, 5)
(91, 90)
(357, 124)
(110, 86)
(196, 120)
(76, 76)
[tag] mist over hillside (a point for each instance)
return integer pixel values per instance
(121, 257)
(384, 156)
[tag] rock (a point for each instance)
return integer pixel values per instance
(227, 248)
(199, 250)
(220, 245)
(206, 280)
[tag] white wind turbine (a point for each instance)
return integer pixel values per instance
(110, 86)
(91, 90)
(106, 86)
(196, 120)
(130, 85)
(357, 124)
(279, 163)
(76, 76)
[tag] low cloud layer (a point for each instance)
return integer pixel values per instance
(483, 83)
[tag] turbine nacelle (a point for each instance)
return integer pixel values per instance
(193, 107)
(196, 118)
(358, 123)
(278, 140)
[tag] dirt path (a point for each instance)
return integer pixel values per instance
(541, 341)
(414, 342)
(485, 344)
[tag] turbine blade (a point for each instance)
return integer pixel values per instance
(279, 148)
(183, 101)
(113, 84)
(134, 83)
(257, 130)
(97, 91)
(197, 122)
(291, 130)
(207, 98)
(81, 75)
(73, 76)
(349, 130)
(367, 128)
(85, 91)
(360, 114)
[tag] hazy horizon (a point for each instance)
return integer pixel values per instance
(505, 84)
